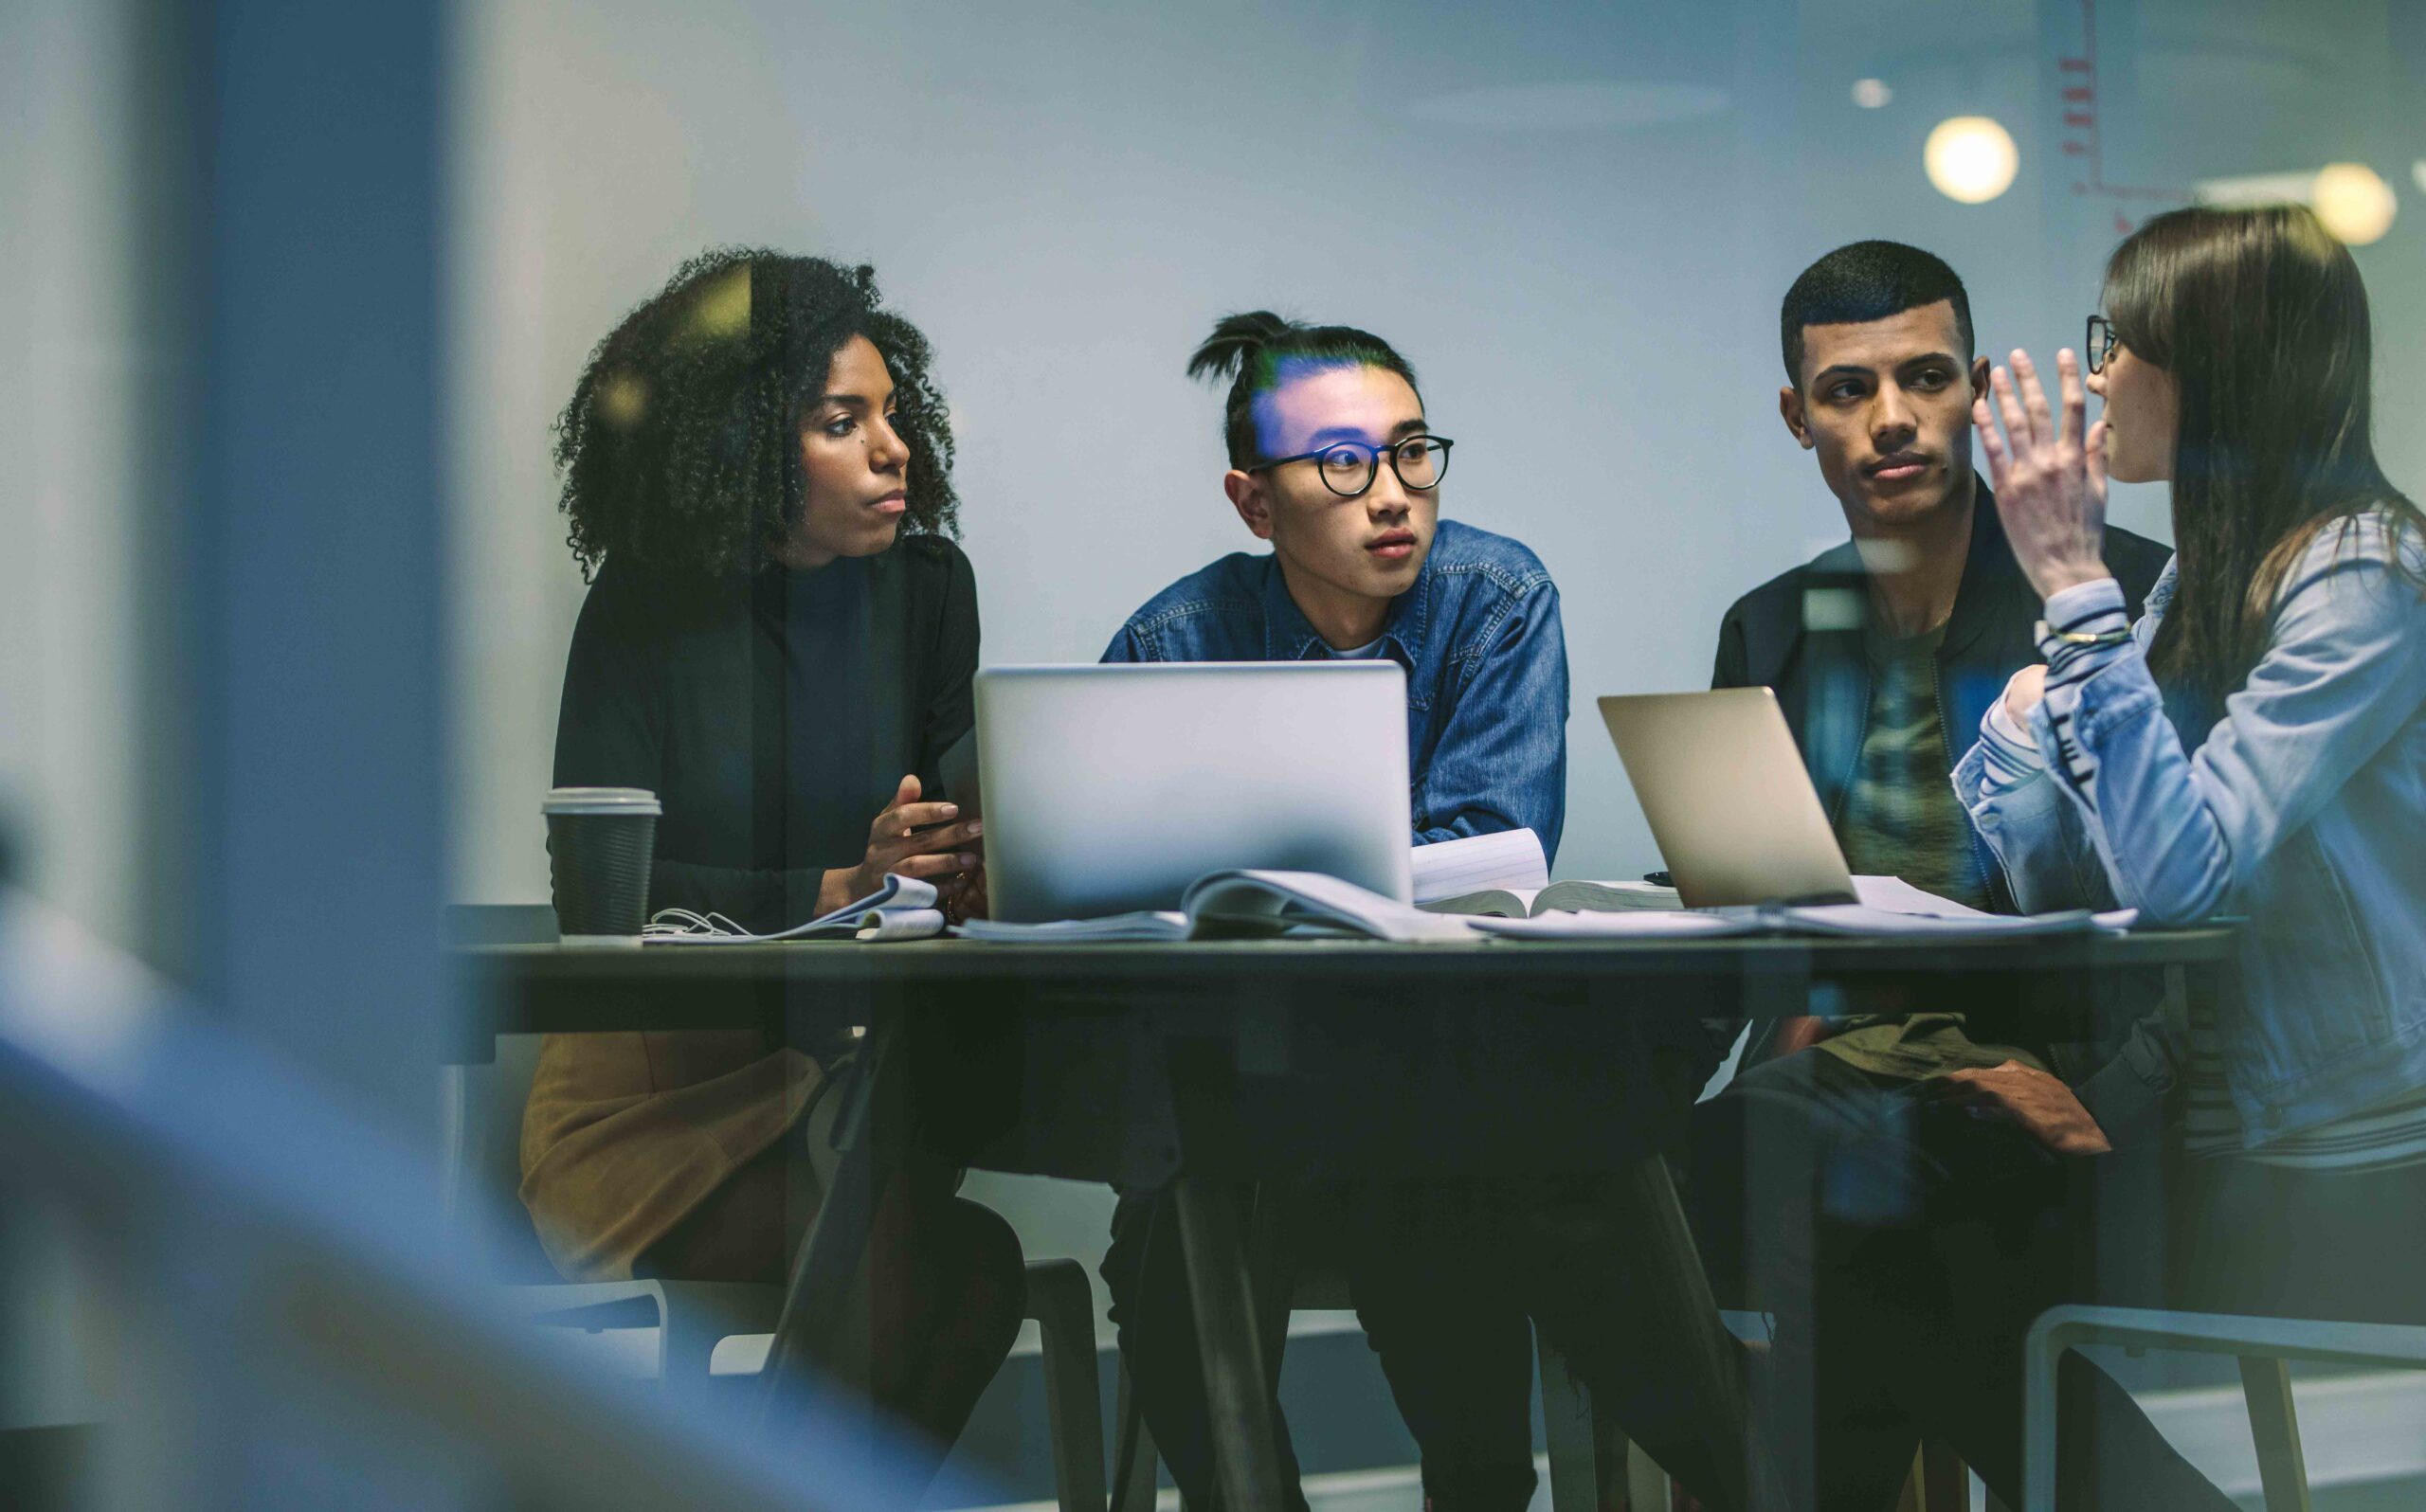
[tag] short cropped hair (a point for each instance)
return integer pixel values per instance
(1865, 281)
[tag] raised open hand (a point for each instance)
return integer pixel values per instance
(2049, 472)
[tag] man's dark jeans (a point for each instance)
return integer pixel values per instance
(1449, 1279)
(1461, 1375)
(1905, 1250)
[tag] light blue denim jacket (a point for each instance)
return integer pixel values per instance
(2304, 810)
(1485, 670)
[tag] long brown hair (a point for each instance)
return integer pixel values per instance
(2260, 316)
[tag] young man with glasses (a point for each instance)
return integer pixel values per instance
(1885, 653)
(1332, 462)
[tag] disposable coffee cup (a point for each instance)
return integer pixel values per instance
(600, 842)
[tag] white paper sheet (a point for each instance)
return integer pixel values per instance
(1894, 895)
(1509, 858)
(1640, 924)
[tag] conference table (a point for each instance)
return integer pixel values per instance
(1197, 1067)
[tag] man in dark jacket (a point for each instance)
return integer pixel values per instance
(1885, 654)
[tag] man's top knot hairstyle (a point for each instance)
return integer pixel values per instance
(1865, 281)
(1258, 349)
(681, 449)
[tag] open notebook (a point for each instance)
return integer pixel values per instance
(1249, 904)
(1505, 874)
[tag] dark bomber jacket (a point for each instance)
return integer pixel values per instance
(1801, 634)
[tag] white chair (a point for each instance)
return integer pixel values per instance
(2261, 1344)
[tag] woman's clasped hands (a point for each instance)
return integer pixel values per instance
(912, 839)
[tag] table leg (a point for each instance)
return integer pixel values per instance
(1676, 1307)
(1237, 1393)
(809, 1332)
(1272, 1268)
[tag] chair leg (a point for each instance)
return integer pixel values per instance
(1589, 1459)
(1946, 1480)
(1647, 1484)
(1063, 1306)
(2266, 1382)
(1133, 1478)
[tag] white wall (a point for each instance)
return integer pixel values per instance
(1585, 270)
(69, 363)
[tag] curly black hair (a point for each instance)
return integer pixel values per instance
(681, 449)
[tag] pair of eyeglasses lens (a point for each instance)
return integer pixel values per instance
(2100, 344)
(1348, 469)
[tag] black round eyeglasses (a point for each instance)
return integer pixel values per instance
(1349, 468)
(2100, 345)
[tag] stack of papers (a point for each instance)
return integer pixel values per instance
(1116, 927)
(1890, 908)
(1678, 924)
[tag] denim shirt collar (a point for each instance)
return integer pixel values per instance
(1288, 636)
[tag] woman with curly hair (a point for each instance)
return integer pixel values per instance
(778, 641)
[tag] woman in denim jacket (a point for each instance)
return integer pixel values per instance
(2256, 745)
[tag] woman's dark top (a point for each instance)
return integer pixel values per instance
(773, 718)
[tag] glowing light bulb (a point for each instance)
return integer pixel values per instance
(1872, 94)
(2354, 202)
(1970, 159)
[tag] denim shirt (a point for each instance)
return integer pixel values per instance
(2304, 809)
(1478, 638)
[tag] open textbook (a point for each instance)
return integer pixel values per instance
(1505, 874)
(1249, 904)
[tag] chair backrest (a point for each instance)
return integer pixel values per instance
(486, 1160)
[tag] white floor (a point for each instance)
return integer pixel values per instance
(2353, 1429)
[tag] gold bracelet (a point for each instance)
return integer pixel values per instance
(2084, 638)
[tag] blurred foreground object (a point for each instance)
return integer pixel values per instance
(292, 1332)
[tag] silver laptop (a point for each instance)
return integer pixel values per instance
(1729, 803)
(1108, 788)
